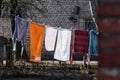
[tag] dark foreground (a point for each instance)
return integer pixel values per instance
(48, 72)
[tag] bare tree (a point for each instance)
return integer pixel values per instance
(20, 7)
(14, 5)
(1, 6)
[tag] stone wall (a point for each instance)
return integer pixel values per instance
(5, 27)
(57, 12)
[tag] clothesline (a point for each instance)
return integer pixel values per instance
(80, 21)
(93, 19)
(59, 34)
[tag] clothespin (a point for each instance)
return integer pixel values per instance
(44, 24)
(71, 28)
(59, 28)
(17, 15)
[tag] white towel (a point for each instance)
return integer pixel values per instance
(62, 51)
(50, 38)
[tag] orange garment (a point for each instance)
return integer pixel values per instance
(36, 41)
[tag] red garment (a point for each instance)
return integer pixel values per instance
(81, 42)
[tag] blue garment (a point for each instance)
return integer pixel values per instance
(90, 25)
(21, 26)
(93, 43)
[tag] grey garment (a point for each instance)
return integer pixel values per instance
(27, 42)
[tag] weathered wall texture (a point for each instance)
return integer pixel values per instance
(5, 27)
(58, 12)
(55, 13)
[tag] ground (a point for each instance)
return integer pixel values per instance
(49, 71)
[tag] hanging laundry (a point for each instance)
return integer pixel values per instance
(50, 38)
(19, 49)
(93, 40)
(36, 41)
(87, 59)
(89, 25)
(21, 26)
(93, 43)
(62, 51)
(81, 42)
(27, 43)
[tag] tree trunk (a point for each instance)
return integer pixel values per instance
(14, 5)
(0, 6)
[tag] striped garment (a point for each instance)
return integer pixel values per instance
(81, 42)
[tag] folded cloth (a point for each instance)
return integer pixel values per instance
(80, 42)
(36, 41)
(62, 51)
(50, 38)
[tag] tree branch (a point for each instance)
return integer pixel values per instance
(1, 6)
(41, 10)
(14, 5)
